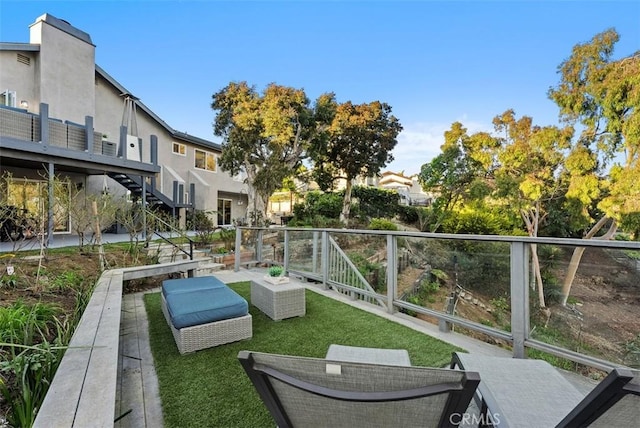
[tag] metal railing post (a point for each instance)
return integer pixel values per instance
(325, 258)
(285, 262)
(392, 271)
(88, 134)
(44, 124)
(144, 207)
(236, 263)
(519, 297)
(50, 217)
(316, 239)
(259, 239)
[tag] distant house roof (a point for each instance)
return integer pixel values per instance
(390, 179)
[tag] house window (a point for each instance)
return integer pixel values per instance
(179, 149)
(8, 98)
(31, 199)
(205, 160)
(224, 212)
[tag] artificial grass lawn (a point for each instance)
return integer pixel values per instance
(209, 388)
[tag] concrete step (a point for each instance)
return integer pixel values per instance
(167, 258)
(200, 254)
(209, 269)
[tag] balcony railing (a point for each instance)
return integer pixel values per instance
(481, 285)
(26, 126)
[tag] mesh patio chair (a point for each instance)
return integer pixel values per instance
(532, 393)
(312, 392)
(614, 402)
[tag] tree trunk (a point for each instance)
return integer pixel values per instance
(579, 251)
(531, 219)
(536, 270)
(253, 199)
(346, 203)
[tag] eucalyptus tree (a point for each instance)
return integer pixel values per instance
(602, 95)
(265, 134)
(357, 142)
(458, 172)
(530, 173)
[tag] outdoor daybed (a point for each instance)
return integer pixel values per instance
(203, 312)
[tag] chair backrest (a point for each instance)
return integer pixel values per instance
(614, 402)
(313, 392)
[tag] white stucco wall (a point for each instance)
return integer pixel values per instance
(66, 72)
(19, 77)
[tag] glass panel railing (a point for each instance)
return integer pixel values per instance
(305, 252)
(600, 315)
(484, 286)
(468, 280)
(273, 246)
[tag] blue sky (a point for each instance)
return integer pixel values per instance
(434, 62)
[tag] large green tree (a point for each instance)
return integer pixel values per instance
(358, 142)
(265, 135)
(602, 95)
(529, 173)
(458, 172)
(520, 168)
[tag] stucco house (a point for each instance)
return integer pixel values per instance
(61, 114)
(408, 188)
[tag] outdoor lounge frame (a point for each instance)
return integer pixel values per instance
(519, 336)
(264, 377)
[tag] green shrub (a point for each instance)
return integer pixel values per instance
(374, 202)
(382, 224)
(276, 270)
(203, 225)
(472, 222)
(228, 237)
(408, 215)
(8, 280)
(68, 279)
(33, 370)
(316, 203)
(23, 324)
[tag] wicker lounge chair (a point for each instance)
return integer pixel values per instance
(314, 392)
(203, 312)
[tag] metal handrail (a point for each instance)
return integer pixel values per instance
(347, 270)
(173, 229)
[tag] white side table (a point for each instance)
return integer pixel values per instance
(355, 354)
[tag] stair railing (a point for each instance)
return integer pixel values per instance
(342, 271)
(172, 229)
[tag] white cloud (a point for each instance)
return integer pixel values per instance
(420, 142)
(417, 145)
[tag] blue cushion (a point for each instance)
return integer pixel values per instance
(183, 285)
(204, 306)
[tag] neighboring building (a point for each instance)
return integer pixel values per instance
(408, 188)
(61, 113)
(409, 191)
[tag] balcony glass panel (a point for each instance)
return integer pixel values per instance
(601, 316)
